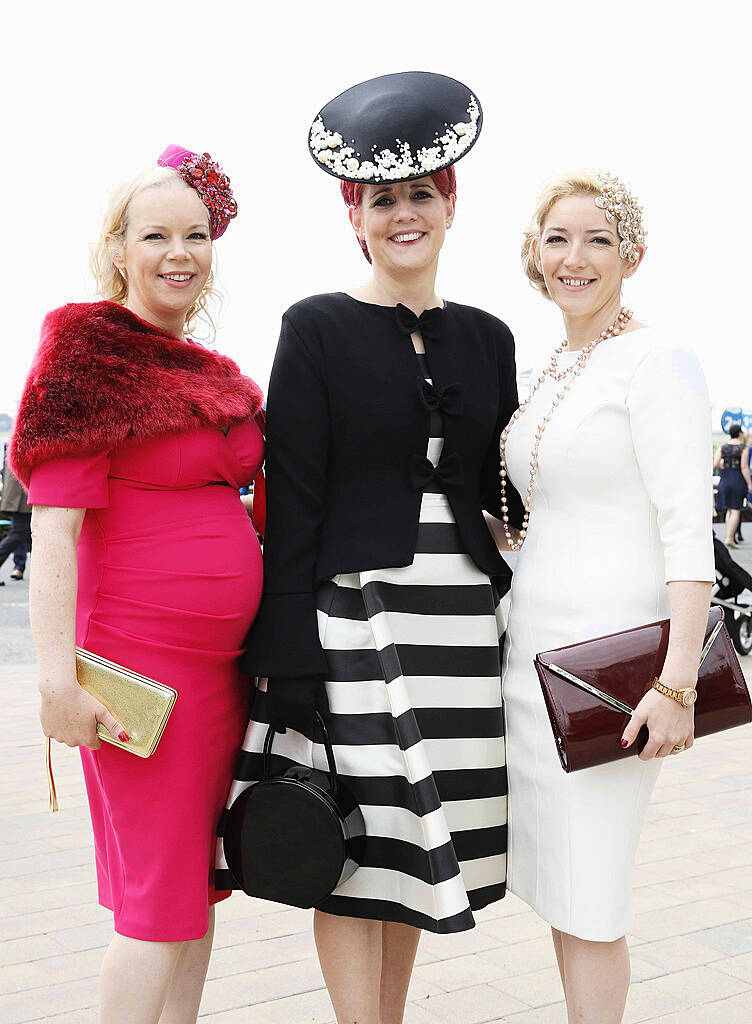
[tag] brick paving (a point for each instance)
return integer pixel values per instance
(691, 943)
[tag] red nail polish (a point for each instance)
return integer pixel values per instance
(624, 743)
(123, 736)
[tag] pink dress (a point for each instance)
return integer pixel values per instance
(170, 580)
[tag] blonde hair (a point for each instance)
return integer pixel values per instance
(572, 183)
(111, 282)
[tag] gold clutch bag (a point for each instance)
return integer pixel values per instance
(142, 705)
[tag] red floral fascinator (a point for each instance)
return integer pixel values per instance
(209, 180)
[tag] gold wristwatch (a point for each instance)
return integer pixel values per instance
(686, 696)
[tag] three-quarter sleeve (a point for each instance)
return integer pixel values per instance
(72, 481)
(284, 640)
(508, 403)
(669, 413)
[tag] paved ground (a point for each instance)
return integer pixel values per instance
(691, 943)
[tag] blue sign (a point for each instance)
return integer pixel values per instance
(735, 414)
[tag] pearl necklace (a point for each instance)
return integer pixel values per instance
(568, 375)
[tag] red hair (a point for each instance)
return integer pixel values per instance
(352, 192)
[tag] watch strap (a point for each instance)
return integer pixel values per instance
(677, 695)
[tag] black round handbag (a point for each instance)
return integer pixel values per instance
(293, 838)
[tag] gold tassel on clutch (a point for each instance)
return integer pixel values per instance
(51, 789)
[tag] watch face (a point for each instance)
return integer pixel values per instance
(689, 697)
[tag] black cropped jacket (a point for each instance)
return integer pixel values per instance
(347, 432)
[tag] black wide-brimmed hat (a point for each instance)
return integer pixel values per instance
(395, 128)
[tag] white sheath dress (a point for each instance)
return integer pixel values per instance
(621, 506)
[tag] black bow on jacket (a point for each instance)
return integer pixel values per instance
(429, 322)
(448, 473)
(447, 400)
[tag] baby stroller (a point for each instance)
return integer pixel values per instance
(731, 580)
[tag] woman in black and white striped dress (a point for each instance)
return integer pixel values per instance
(382, 589)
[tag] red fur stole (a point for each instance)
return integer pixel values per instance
(101, 375)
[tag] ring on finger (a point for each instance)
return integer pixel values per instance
(678, 749)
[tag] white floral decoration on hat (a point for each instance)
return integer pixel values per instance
(449, 145)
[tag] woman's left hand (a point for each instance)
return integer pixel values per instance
(669, 724)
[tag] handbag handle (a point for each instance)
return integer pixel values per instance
(269, 740)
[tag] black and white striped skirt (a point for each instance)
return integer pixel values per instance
(417, 728)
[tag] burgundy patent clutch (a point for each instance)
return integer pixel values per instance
(591, 689)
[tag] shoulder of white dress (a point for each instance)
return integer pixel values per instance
(645, 340)
(653, 341)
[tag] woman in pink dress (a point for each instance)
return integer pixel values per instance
(133, 442)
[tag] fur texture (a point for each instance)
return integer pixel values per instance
(102, 375)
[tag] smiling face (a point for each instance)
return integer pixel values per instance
(578, 255)
(167, 252)
(403, 224)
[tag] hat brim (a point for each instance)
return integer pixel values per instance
(395, 128)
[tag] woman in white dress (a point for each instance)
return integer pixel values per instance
(619, 534)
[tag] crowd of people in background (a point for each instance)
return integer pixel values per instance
(15, 508)
(733, 460)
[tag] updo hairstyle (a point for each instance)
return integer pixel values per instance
(111, 282)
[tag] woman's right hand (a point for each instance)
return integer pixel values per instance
(69, 715)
